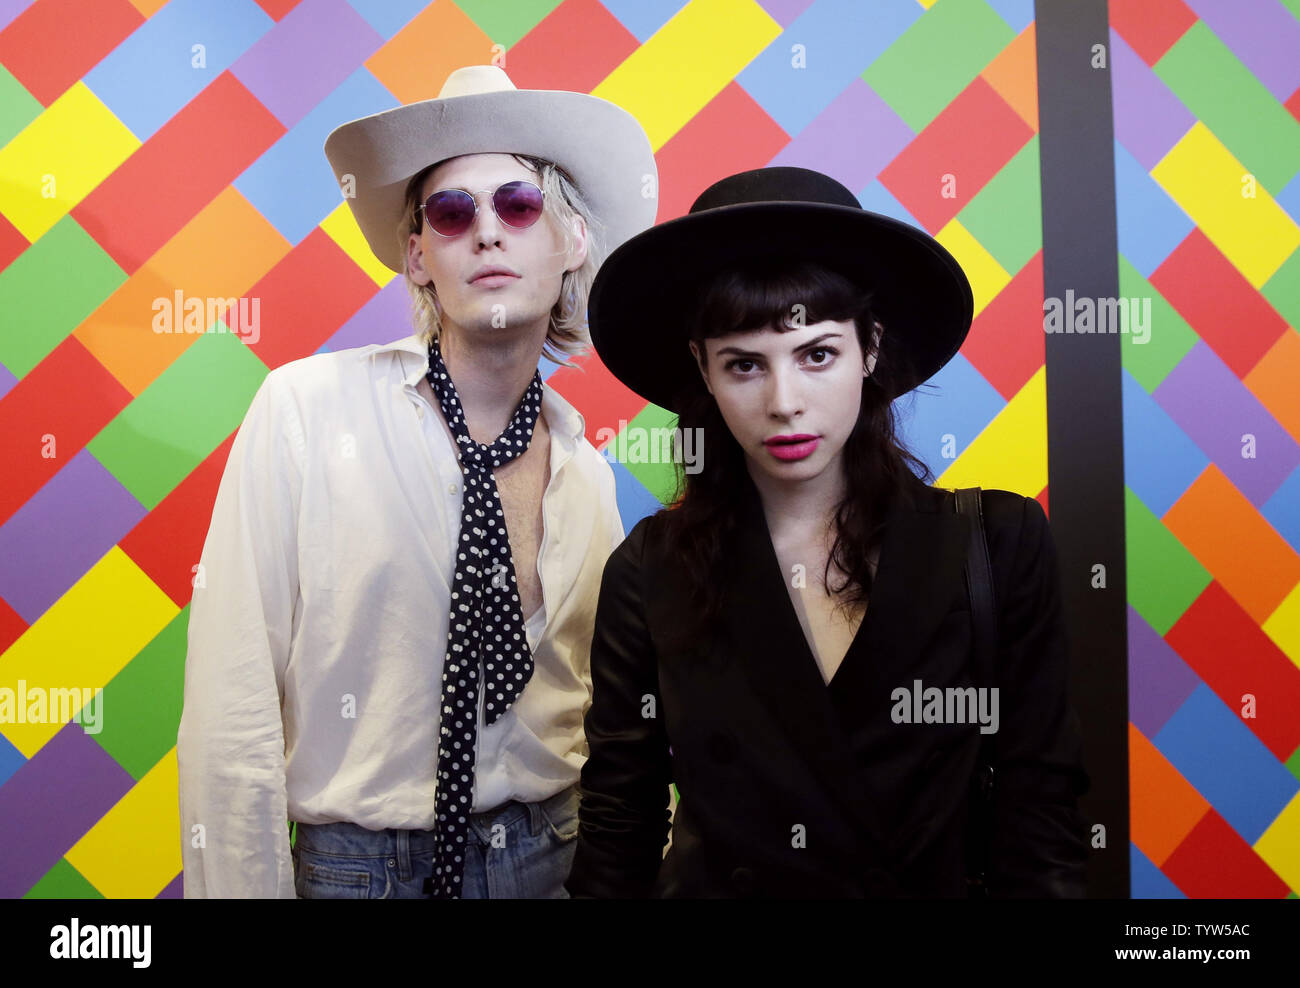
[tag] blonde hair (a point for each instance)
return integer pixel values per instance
(567, 335)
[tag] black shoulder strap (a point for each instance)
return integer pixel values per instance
(979, 586)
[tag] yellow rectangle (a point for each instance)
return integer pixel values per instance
(1011, 453)
(341, 227)
(1236, 213)
(687, 62)
(987, 277)
(55, 161)
(84, 640)
(133, 852)
(1279, 845)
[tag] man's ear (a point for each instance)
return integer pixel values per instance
(578, 252)
(415, 261)
(701, 361)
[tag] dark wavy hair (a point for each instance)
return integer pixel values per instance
(695, 530)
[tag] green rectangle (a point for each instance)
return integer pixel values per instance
(1170, 336)
(1205, 74)
(18, 107)
(506, 23)
(140, 708)
(936, 58)
(1164, 579)
(49, 290)
(1006, 216)
(154, 443)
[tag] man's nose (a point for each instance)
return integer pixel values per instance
(487, 225)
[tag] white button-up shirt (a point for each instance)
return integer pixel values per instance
(318, 625)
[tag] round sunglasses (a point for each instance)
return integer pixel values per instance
(451, 211)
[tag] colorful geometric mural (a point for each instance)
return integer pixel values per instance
(1207, 175)
(172, 150)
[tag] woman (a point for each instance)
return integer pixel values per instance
(791, 643)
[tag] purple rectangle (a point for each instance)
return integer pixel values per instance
(1263, 34)
(851, 140)
(10, 9)
(386, 317)
(50, 803)
(306, 56)
(175, 889)
(785, 12)
(1210, 404)
(62, 531)
(1149, 118)
(7, 380)
(1159, 681)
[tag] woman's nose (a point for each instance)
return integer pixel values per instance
(785, 397)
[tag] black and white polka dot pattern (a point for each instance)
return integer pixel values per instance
(486, 636)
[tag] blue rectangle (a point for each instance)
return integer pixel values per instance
(1160, 460)
(388, 16)
(1282, 510)
(836, 41)
(939, 420)
(1150, 224)
(292, 184)
(643, 17)
(146, 79)
(1018, 14)
(1146, 881)
(1227, 764)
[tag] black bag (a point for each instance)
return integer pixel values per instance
(979, 587)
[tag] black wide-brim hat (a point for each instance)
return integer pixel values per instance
(638, 303)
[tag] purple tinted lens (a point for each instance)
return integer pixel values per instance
(518, 204)
(450, 212)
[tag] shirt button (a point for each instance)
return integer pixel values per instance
(419, 410)
(452, 488)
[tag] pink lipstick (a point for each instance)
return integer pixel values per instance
(795, 447)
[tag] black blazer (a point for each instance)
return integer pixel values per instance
(790, 787)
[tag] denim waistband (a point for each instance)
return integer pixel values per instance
(352, 840)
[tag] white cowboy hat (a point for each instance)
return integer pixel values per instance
(479, 110)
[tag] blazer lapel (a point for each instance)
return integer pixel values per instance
(920, 571)
(922, 552)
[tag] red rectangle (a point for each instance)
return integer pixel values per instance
(1238, 323)
(168, 542)
(948, 163)
(603, 399)
(58, 407)
(177, 172)
(731, 134)
(1006, 342)
(1228, 650)
(582, 26)
(53, 43)
(305, 298)
(1213, 862)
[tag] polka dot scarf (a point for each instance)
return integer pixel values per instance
(486, 637)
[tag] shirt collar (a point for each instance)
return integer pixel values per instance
(561, 417)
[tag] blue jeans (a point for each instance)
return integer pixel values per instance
(517, 851)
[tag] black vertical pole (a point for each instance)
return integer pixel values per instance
(1084, 412)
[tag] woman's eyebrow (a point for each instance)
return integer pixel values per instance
(803, 346)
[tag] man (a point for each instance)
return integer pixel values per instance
(390, 643)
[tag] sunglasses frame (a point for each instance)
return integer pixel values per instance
(424, 216)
